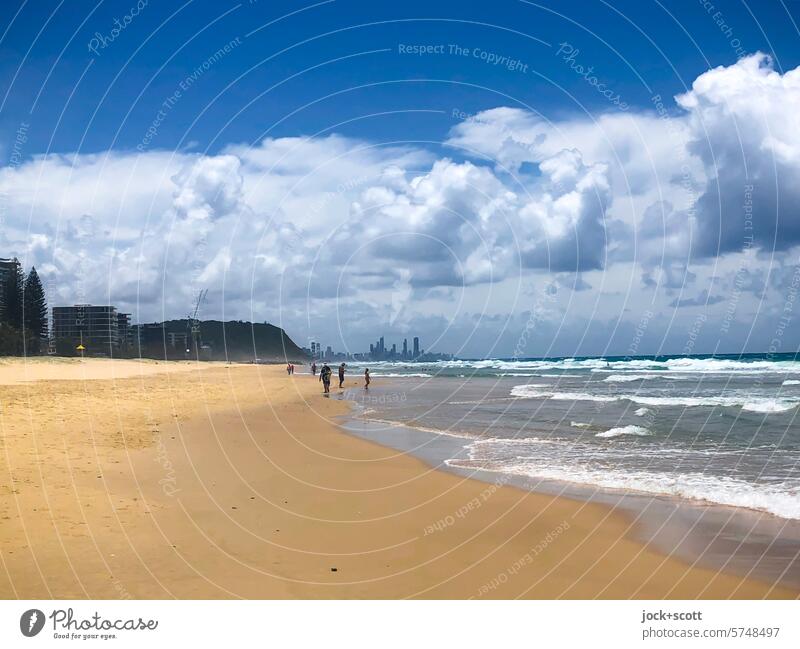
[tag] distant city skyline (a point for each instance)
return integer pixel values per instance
(377, 352)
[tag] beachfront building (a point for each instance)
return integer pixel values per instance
(101, 330)
(124, 331)
(7, 268)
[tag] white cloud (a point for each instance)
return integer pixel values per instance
(745, 127)
(400, 236)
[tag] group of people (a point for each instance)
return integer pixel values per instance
(290, 368)
(325, 373)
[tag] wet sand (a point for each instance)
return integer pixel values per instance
(209, 481)
(745, 542)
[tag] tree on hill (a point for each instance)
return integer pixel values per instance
(35, 310)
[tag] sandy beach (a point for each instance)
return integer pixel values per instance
(138, 479)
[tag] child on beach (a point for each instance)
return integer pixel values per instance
(366, 379)
(313, 368)
(341, 376)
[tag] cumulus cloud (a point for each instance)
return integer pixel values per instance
(745, 128)
(565, 227)
(397, 236)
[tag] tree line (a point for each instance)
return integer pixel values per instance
(23, 312)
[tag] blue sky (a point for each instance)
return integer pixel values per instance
(656, 49)
(340, 185)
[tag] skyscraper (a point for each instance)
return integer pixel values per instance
(405, 347)
(7, 267)
(416, 346)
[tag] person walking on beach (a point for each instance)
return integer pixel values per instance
(313, 368)
(325, 377)
(366, 379)
(341, 376)
(288, 368)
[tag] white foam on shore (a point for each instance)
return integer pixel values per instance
(519, 374)
(673, 366)
(769, 405)
(533, 391)
(641, 412)
(403, 376)
(627, 378)
(791, 382)
(783, 501)
(403, 424)
(625, 430)
(762, 405)
(476, 402)
(578, 424)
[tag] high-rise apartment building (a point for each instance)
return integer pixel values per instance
(7, 267)
(100, 329)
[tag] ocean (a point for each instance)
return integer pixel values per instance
(715, 429)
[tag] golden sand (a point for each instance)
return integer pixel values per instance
(137, 479)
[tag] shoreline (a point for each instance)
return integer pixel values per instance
(238, 481)
(739, 540)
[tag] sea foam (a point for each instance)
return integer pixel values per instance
(625, 430)
(780, 500)
(762, 405)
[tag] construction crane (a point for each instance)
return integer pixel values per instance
(193, 324)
